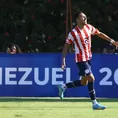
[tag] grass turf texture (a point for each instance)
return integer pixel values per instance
(56, 108)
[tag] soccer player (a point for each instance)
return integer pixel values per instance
(80, 36)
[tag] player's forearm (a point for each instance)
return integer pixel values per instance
(65, 50)
(104, 36)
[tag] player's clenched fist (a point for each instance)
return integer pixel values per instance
(115, 43)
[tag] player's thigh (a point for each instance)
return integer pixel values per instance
(85, 71)
(90, 77)
(84, 68)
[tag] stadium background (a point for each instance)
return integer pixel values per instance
(40, 25)
(28, 81)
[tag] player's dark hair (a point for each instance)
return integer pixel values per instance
(17, 48)
(77, 14)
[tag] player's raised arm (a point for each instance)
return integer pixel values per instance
(95, 31)
(104, 36)
(69, 41)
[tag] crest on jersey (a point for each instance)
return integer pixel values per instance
(87, 71)
(86, 40)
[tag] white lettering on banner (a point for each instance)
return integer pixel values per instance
(8, 75)
(56, 76)
(105, 81)
(109, 74)
(36, 76)
(68, 75)
(116, 76)
(50, 74)
(0, 76)
(23, 81)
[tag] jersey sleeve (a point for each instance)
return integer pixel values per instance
(69, 39)
(94, 31)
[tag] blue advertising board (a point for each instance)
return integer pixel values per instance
(37, 75)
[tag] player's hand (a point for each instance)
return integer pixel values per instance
(115, 43)
(63, 66)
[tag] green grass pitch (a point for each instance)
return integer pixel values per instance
(56, 108)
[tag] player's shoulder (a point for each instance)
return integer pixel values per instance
(73, 30)
(89, 25)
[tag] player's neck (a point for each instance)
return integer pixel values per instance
(80, 26)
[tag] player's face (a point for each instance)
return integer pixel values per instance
(14, 49)
(82, 19)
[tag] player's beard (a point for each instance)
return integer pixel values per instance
(84, 22)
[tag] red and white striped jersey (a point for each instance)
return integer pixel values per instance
(81, 38)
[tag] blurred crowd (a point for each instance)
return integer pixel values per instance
(40, 25)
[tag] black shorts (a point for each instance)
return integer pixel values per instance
(84, 68)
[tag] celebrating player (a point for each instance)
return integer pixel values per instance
(80, 36)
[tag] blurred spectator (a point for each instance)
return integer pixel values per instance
(111, 49)
(105, 51)
(13, 49)
(39, 25)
